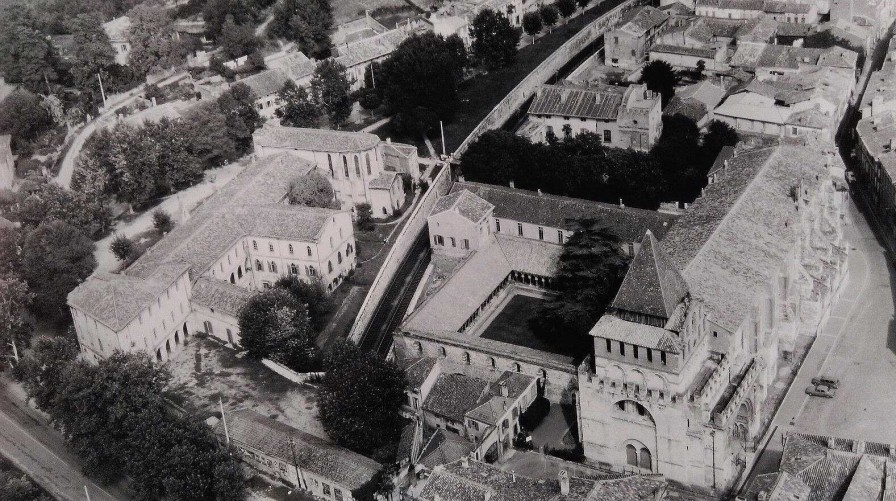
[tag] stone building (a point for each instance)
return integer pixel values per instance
(876, 172)
(623, 117)
(360, 167)
(783, 11)
(689, 348)
(241, 239)
(626, 45)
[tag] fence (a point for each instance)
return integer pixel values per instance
(403, 243)
(544, 71)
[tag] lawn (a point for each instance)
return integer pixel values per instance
(479, 95)
(511, 325)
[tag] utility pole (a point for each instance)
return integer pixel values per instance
(15, 351)
(295, 462)
(87, 493)
(102, 92)
(442, 129)
(224, 420)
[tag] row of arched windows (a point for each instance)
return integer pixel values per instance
(345, 169)
(468, 359)
(639, 458)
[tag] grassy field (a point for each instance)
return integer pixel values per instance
(512, 324)
(348, 10)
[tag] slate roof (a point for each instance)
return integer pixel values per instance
(453, 395)
(577, 101)
(627, 223)
(329, 141)
(465, 203)
(444, 447)
(250, 429)
(219, 295)
(651, 286)
(641, 20)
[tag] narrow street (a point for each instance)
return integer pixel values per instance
(37, 449)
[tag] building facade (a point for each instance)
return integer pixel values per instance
(876, 172)
(626, 46)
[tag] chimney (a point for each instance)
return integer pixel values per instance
(388, 140)
(503, 387)
(858, 446)
(461, 179)
(539, 191)
(512, 476)
(563, 477)
(621, 205)
(465, 462)
(512, 184)
(153, 102)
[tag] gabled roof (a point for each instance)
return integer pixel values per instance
(652, 285)
(465, 203)
(330, 141)
(417, 370)
(219, 295)
(266, 82)
(247, 428)
(444, 447)
(576, 101)
(453, 394)
(641, 20)
(383, 182)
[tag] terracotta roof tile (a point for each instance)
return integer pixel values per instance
(652, 286)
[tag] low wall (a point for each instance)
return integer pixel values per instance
(403, 243)
(295, 377)
(544, 71)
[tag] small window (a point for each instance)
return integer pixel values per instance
(308, 248)
(609, 346)
(357, 166)
(497, 225)
(439, 240)
(519, 229)
(329, 267)
(663, 357)
(467, 357)
(254, 245)
(649, 354)
(559, 236)
(621, 348)
(293, 269)
(291, 249)
(635, 350)
(258, 265)
(540, 233)
(339, 257)
(466, 244)
(273, 267)
(345, 166)
(367, 159)
(271, 247)
(453, 242)
(608, 136)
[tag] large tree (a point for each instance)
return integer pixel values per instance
(51, 202)
(566, 8)
(678, 154)
(237, 104)
(41, 372)
(659, 76)
(26, 55)
(15, 297)
(296, 107)
(331, 88)
(207, 129)
(58, 257)
(237, 40)
(274, 324)
(419, 81)
(494, 39)
(590, 271)
(549, 15)
(93, 52)
(360, 397)
(311, 294)
(24, 117)
(306, 22)
(532, 24)
(154, 45)
(312, 190)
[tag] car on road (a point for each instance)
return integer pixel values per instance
(827, 381)
(820, 390)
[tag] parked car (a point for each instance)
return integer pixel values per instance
(820, 390)
(827, 381)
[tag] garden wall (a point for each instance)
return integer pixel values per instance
(403, 243)
(544, 71)
(282, 370)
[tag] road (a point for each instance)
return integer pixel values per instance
(39, 451)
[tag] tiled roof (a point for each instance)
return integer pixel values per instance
(330, 141)
(418, 369)
(453, 394)
(296, 65)
(685, 51)
(690, 108)
(117, 29)
(651, 286)
(371, 48)
(876, 134)
(539, 258)
(731, 4)
(641, 20)
(407, 444)
(398, 149)
(627, 223)
(616, 329)
(761, 29)
(731, 241)
(726, 153)
(383, 182)
(219, 295)
(250, 429)
(785, 7)
(266, 82)
(465, 203)
(577, 101)
(636, 487)
(444, 447)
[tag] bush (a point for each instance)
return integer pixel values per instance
(576, 454)
(122, 247)
(535, 414)
(153, 91)
(162, 222)
(26, 166)
(365, 217)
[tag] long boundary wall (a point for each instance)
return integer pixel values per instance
(403, 242)
(544, 71)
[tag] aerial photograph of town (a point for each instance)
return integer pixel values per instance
(447, 250)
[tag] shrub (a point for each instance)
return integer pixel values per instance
(153, 91)
(535, 414)
(162, 222)
(365, 216)
(122, 247)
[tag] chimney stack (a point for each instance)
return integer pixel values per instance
(563, 477)
(465, 462)
(512, 184)
(512, 476)
(539, 191)
(461, 179)
(621, 205)
(503, 387)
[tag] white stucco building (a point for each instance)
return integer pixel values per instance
(240, 240)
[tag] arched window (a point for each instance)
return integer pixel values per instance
(312, 271)
(493, 362)
(348, 250)
(330, 162)
(367, 158)
(239, 272)
(273, 267)
(255, 245)
(517, 367)
(232, 280)
(339, 257)
(345, 166)
(258, 265)
(631, 455)
(329, 267)
(646, 460)
(293, 269)
(357, 166)
(309, 250)
(467, 357)
(442, 351)
(290, 249)
(419, 347)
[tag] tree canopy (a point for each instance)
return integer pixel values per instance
(331, 90)
(237, 39)
(274, 324)
(312, 190)
(93, 51)
(313, 295)
(532, 24)
(659, 76)
(51, 202)
(549, 15)
(153, 44)
(494, 39)
(360, 397)
(296, 107)
(419, 81)
(26, 55)
(306, 22)
(24, 117)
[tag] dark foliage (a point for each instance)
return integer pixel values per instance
(306, 22)
(161, 221)
(659, 76)
(312, 295)
(494, 40)
(274, 324)
(122, 247)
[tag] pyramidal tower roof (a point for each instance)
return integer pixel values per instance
(652, 285)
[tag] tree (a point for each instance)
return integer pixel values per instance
(590, 271)
(11, 259)
(532, 24)
(211, 139)
(26, 55)
(58, 257)
(583, 3)
(237, 40)
(659, 76)
(296, 107)
(306, 22)
(498, 157)
(312, 190)
(51, 202)
(360, 398)
(311, 294)
(216, 12)
(494, 39)
(365, 216)
(23, 117)
(41, 372)
(331, 88)
(274, 324)
(237, 105)
(549, 15)
(161, 221)
(718, 135)
(419, 81)
(15, 297)
(20, 488)
(122, 247)
(370, 99)
(566, 8)
(93, 51)
(154, 45)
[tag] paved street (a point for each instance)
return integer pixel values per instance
(857, 345)
(39, 451)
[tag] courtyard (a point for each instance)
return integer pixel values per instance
(509, 320)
